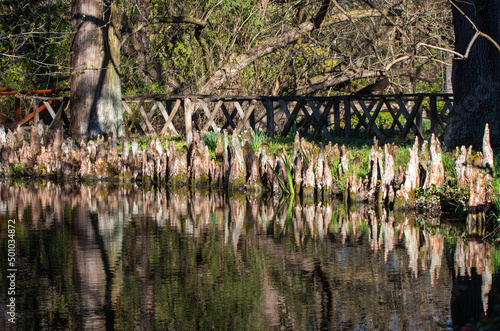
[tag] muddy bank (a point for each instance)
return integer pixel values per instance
(312, 172)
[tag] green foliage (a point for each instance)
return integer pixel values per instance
(210, 139)
(258, 137)
(288, 169)
(16, 168)
(450, 173)
(40, 47)
(495, 183)
(280, 142)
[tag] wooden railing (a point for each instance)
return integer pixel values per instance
(38, 104)
(352, 115)
(347, 116)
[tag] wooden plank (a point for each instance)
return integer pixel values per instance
(163, 111)
(64, 104)
(229, 118)
(131, 121)
(36, 112)
(371, 118)
(195, 117)
(212, 116)
(371, 123)
(188, 117)
(241, 113)
(284, 106)
(402, 108)
(270, 117)
(165, 116)
(336, 116)
(361, 118)
(395, 116)
(146, 119)
(63, 114)
(171, 117)
(347, 118)
(323, 118)
(308, 119)
(152, 110)
(251, 106)
(6, 118)
(433, 114)
(49, 109)
(126, 107)
(315, 111)
(418, 119)
(134, 113)
(448, 105)
(411, 118)
(291, 120)
(140, 126)
(252, 119)
(17, 107)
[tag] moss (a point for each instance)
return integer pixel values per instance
(307, 192)
(255, 188)
(202, 181)
(237, 184)
(179, 180)
(400, 203)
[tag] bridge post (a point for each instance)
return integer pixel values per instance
(36, 115)
(347, 118)
(418, 118)
(270, 117)
(188, 112)
(336, 117)
(433, 114)
(17, 106)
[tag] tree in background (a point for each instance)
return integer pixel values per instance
(476, 73)
(240, 47)
(34, 44)
(272, 47)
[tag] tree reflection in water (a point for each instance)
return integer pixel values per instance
(102, 256)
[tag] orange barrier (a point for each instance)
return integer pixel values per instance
(17, 121)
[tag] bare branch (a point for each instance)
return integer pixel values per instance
(477, 34)
(232, 68)
(179, 19)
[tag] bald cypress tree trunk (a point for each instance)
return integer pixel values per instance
(95, 59)
(476, 79)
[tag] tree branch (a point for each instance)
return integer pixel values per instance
(232, 68)
(332, 79)
(320, 16)
(179, 19)
(477, 34)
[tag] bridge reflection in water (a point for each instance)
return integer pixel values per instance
(97, 257)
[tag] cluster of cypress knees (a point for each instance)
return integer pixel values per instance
(238, 167)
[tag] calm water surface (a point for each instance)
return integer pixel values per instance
(100, 257)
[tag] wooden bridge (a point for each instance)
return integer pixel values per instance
(348, 116)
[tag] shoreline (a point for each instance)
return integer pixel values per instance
(310, 172)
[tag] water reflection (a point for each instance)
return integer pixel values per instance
(102, 257)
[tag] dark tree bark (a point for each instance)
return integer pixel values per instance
(476, 79)
(95, 58)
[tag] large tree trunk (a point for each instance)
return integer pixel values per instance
(476, 79)
(95, 58)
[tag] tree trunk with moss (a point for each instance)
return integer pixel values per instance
(95, 58)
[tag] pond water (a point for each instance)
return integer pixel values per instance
(104, 257)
